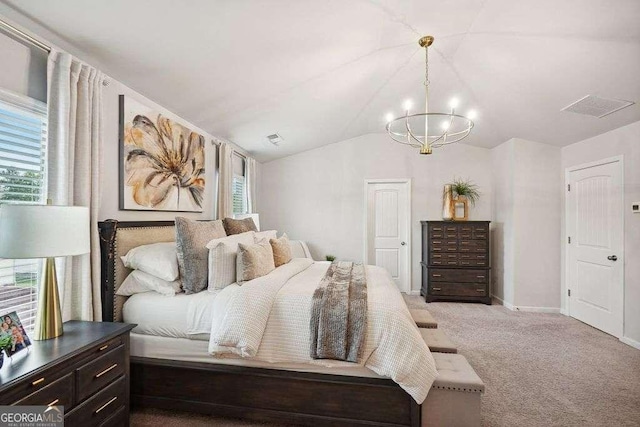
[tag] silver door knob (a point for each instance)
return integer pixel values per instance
(612, 258)
(403, 243)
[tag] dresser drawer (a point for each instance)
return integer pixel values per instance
(118, 419)
(100, 407)
(58, 393)
(465, 276)
(104, 348)
(472, 263)
(95, 375)
(458, 289)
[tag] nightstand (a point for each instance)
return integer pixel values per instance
(86, 370)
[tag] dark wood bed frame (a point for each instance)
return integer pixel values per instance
(254, 393)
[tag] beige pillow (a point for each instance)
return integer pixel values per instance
(222, 259)
(237, 226)
(281, 250)
(193, 256)
(254, 261)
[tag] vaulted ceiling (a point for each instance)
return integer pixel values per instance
(318, 72)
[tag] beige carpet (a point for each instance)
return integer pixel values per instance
(539, 370)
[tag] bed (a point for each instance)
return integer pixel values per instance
(171, 368)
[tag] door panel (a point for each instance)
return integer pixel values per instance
(594, 223)
(388, 205)
(390, 260)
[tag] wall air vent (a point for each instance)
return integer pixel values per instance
(595, 106)
(275, 139)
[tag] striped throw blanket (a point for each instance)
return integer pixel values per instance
(339, 313)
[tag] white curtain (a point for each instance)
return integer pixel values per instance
(225, 178)
(251, 185)
(74, 153)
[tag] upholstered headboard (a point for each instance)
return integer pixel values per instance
(116, 239)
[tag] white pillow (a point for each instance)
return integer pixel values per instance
(269, 234)
(157, 259)
(138, 282)
(222, 259)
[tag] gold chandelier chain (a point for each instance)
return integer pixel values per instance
(426, 68)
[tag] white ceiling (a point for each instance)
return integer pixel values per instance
(318, 72)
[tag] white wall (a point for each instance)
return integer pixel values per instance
(623, 141)
(526, 215)
(502, 233)
(318, 195)
(24, 68)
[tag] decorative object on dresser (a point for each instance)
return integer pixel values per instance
(456, 263)
(45, 231)
(464, 192)
(447, 199)
(86, 371)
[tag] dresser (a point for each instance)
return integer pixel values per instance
(86, 370)
(456, 264)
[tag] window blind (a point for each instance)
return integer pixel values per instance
(239, 192)
(23, 136)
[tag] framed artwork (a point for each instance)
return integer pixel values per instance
(161, 161)
(13, 337)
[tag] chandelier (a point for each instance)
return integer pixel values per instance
(427, 131)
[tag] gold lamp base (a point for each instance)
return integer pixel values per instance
(49, 317)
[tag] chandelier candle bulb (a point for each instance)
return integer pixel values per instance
(389, 117)
(453, 103)
(407, 105)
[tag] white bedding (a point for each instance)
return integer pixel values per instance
(180, 316)
(268, 318)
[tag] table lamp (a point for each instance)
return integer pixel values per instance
(45, 231)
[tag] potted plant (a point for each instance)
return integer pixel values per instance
(5, 342)
(330, 258)
(464, 192)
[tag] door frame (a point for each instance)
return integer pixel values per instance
(567, 174)
(406, 181)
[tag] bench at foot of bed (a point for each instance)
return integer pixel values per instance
(454, 399)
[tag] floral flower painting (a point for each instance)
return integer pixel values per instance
(162, 161)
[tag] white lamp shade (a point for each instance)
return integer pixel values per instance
(28, 231)
(254, 216)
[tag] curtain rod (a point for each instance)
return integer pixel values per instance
(24, 36)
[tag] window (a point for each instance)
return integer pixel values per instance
(23, 135)
(239, 185)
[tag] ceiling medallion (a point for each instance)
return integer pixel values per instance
(427, 131)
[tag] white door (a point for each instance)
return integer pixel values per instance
(387, 240)
(595, 253)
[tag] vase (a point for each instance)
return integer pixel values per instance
(447, 206)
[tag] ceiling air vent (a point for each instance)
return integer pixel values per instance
(275, 139)
(596, 107)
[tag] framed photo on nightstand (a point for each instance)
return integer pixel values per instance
(13, 337)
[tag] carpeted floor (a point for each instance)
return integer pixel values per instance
(539, 370)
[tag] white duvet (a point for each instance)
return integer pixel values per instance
(268, 319)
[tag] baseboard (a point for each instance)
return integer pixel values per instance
(503, 302)
(632, 343)
(526, 308)
(555, 310)
(414, 292)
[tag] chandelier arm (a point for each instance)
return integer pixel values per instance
(410, 132)
(395, 136)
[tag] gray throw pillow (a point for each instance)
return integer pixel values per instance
(237, 226)
(254, 261)
(191, 242)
